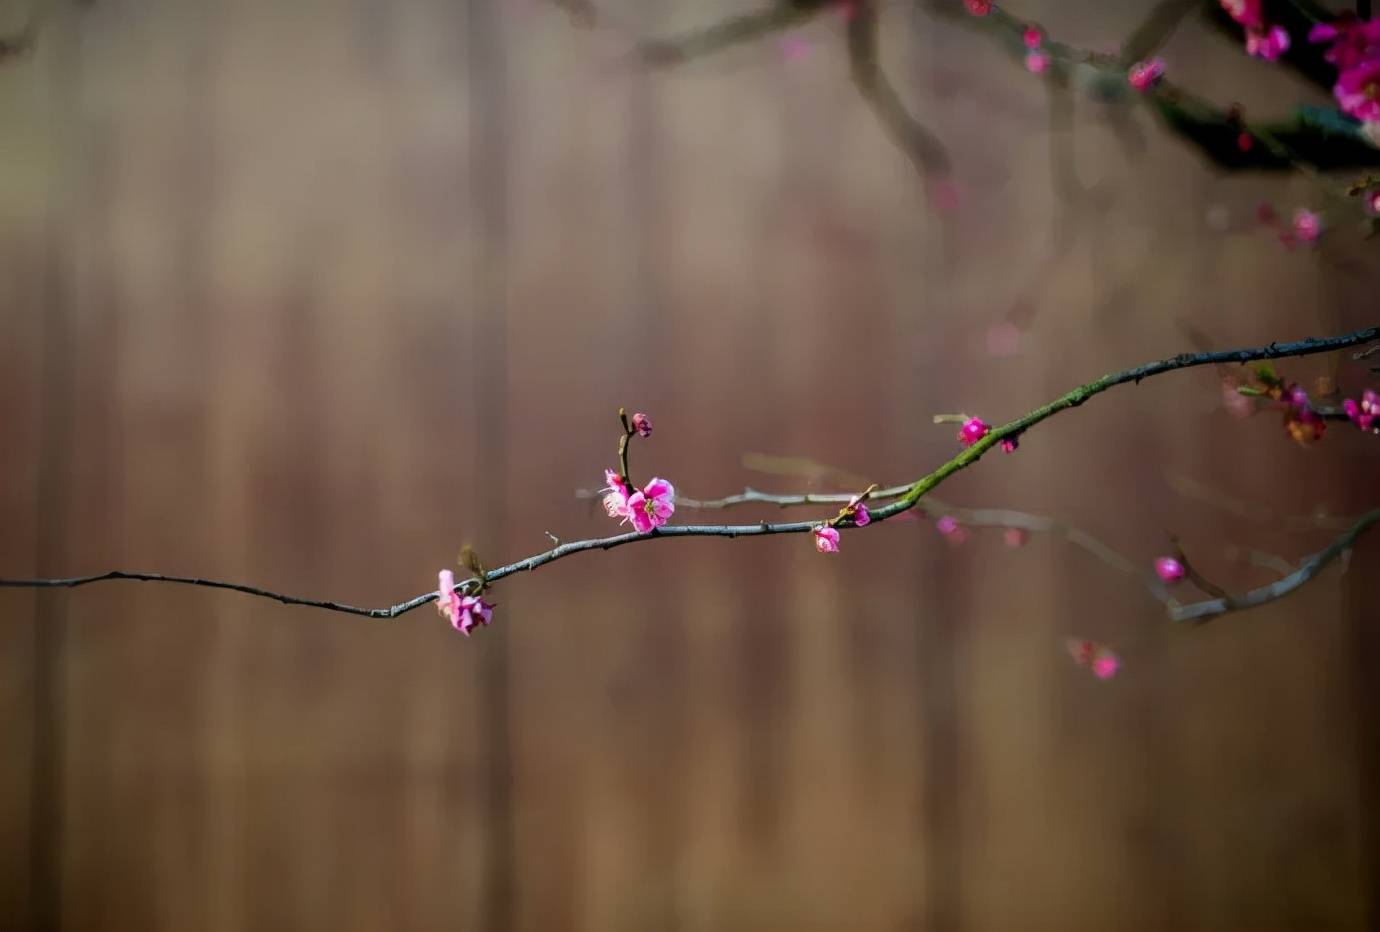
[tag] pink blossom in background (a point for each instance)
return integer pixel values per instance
(1352, 41)
(1015, 537)
(1032, 37)
(1365, 413)
(1358, 90)
(472, 611)
(1237, 404)
(953, 532)
(652, 506)
(642, 424)
(1169, 569)
(616, 501)
(1307, 225)
(973, 430)
(1246, 12)
(1093, 656)
(978, 7)
(794, 48)
(448, 600)
(1373, 201)
(1009, 444)
(1144, 75)
(1003, 339)
(1269, 44)
(826, 539)
(1036, 62)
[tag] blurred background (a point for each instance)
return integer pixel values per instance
(307, 295)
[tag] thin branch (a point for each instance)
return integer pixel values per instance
(1211, 608)
(905, 501)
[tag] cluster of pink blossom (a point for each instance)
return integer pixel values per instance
(646, 508)
(827, 535)
(463, 611)
(1365, 413)
(1305, 227)
(1262, 40)
(1354, 47)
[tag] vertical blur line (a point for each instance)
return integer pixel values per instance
(942, 799)
(1365, 657)
(54, 467)
(485, 56)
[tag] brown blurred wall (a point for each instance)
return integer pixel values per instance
(309, 294)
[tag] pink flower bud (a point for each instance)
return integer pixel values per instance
(1169, 569)
(978, 7)
(1307, 225)
(973, 430)
(1144, 75)
(1036, 62)
(1032, 37)
(642, 424)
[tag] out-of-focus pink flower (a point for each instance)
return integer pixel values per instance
(1245, 142)
(1003, 339)
(978, 7)
(954, 532)
(1036, 62)
(616, 501)
(1015, 537)
(1093, 656)
(1144, 75)
(1353, 41)
(973, 430)
(1358, 90)
(642, 424)
(1373, 199)
(1303, 423)
(826, 539)
(794, 48)
(1009, 444)
(1246, 12)
(861, 516)
(1268, 44)
(1237, 404)
(1169, 569)
(1032, 37)
(1307, 225)
(1365, 413)
(652, 506)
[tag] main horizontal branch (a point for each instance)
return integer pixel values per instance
(905, 501)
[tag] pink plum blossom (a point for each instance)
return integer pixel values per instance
(1365, 413)
(1032, 37)
(1358, 90)
(978, 7)
(1009, 444)
(1307, 225)
(616, 501)
(973, 430)
(1169, 569)
(642, 424)
(1269, 44)
(1353, 41)
(1093, 656)
(1246, 12)
(651, 507)
(1144, 75)
(462, 611)
(448, 600)
(954, 532)
(826, 539)
(1015, 537)
(861, 516)
(1036, 62)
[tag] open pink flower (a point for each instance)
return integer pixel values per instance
(1358, 90)
(652, 506)
(1169, 569)
(462, 611)
(616, 501)
(642, 424)
(448, 600)
(973, 430)
(1353, 41)
(826, 539)
(1246, 12)
(1268, 44)
(1144, 75)
(1036, 62)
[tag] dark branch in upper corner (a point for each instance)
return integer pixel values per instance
(906, 500)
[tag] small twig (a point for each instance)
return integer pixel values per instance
(1201, 611)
